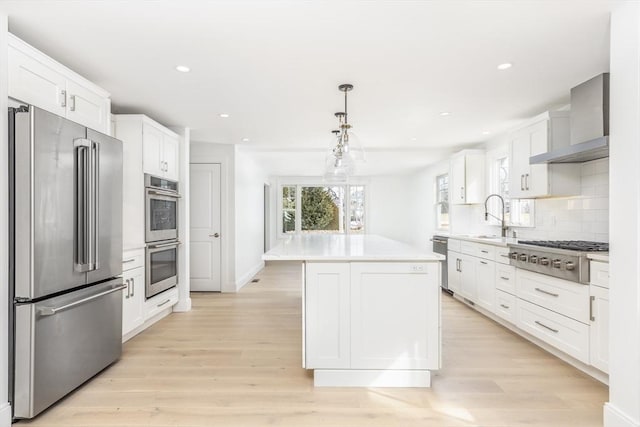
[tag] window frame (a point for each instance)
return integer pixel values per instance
(439, 202)
(493, 159)
(299, 183)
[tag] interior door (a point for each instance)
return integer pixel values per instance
(108, 187)
(205, 227)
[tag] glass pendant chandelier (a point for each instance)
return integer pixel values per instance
(345, 148)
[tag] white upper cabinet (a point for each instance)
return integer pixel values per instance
(36, 79)
(160, 148)
(544, 133)
(467, 177)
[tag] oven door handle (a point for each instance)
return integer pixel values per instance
(165, 245)
(164, 193)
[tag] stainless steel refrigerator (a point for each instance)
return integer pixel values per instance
(66, 256)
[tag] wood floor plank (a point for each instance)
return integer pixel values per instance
(235, 359)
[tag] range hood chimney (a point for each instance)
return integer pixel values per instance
(589, 125)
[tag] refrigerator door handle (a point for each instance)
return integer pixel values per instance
(95, 203)
(82, 147)
(50, 311)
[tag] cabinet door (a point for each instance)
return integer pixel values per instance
(133, 300)
(394, 316)
(468, 287)
(152, 148)
(327, 320)
(520, 153)
(453, 263)
(486, 285)
(87, 108)
(537, 182)
(33, 82)
(599, 328)
(170, 157)
(457, 188)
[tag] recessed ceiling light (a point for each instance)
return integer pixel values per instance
(245, 139)
(445, 113)
(486, 132)
(183, 68)
(224, 115)
(505, 66)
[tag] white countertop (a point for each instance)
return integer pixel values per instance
(340, 247)
(603, 257)
(489, 240)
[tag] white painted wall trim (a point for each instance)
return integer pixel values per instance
(614, 418)
(184, 273)
(246, 278)
(5, 415)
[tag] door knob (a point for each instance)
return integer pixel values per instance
(216, 235)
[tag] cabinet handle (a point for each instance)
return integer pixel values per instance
(555, 331)
(63, 93)
(526, 181)
(73, 103)
(485, 252)
(461, 193)
(506, 307)
(591, 300)
(504, 255)
(522, 182)
(127, 283)
(163, 303)
(504, 278)
(483, 262)
(126, 261)
(133, 286)
(546, 292)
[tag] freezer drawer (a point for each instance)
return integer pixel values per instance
(63, 341)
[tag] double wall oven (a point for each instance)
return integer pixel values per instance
(161, 234)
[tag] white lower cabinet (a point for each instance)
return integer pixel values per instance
(506, 306)
(485, 284)
(372, 315)
(506, 278)
(468, 284)
(599, 328)
(453, 270)
(567, 335)
(159, 303)
(327, 322)
(133, 300)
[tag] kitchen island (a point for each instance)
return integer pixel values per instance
(370, 309)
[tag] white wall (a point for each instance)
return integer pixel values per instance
(249, 216)
(623, 409)
(204, 152)
(5, 409)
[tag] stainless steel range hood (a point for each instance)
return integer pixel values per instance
(589, 125)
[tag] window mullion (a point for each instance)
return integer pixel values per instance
(298, 209)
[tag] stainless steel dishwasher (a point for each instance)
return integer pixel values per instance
(440, 245)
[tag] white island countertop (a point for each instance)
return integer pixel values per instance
(340, 247)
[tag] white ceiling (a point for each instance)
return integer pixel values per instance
(274, 66)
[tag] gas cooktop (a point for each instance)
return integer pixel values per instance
(573, 245)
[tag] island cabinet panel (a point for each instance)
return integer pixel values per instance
(393, 309)
(327, 335)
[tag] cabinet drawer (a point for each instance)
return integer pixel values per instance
(502, 255)
(565, 334)
(599, 273)
(478, 249)
(454, 245)
(132, 259)
(506, 278)
(506, 306)
(561, 296)
(160, 302)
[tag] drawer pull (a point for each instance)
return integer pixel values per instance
(504, 278)
(485, 252)
(483, 262)
(591, 300)
(506, 307)
(126, 261)
(555, 331)
(547, 292)
(163, 303)
(504, 255)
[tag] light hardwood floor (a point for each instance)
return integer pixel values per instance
(235, 360)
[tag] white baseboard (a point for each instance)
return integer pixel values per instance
(246, 278)
(147, 323)
(614, 418)
(183, 305)
(5, 415)
(371, 378)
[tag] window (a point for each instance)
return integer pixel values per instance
(323, 209)
(442, 202)
(518, 212)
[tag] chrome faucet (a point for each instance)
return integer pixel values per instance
(487, 214)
